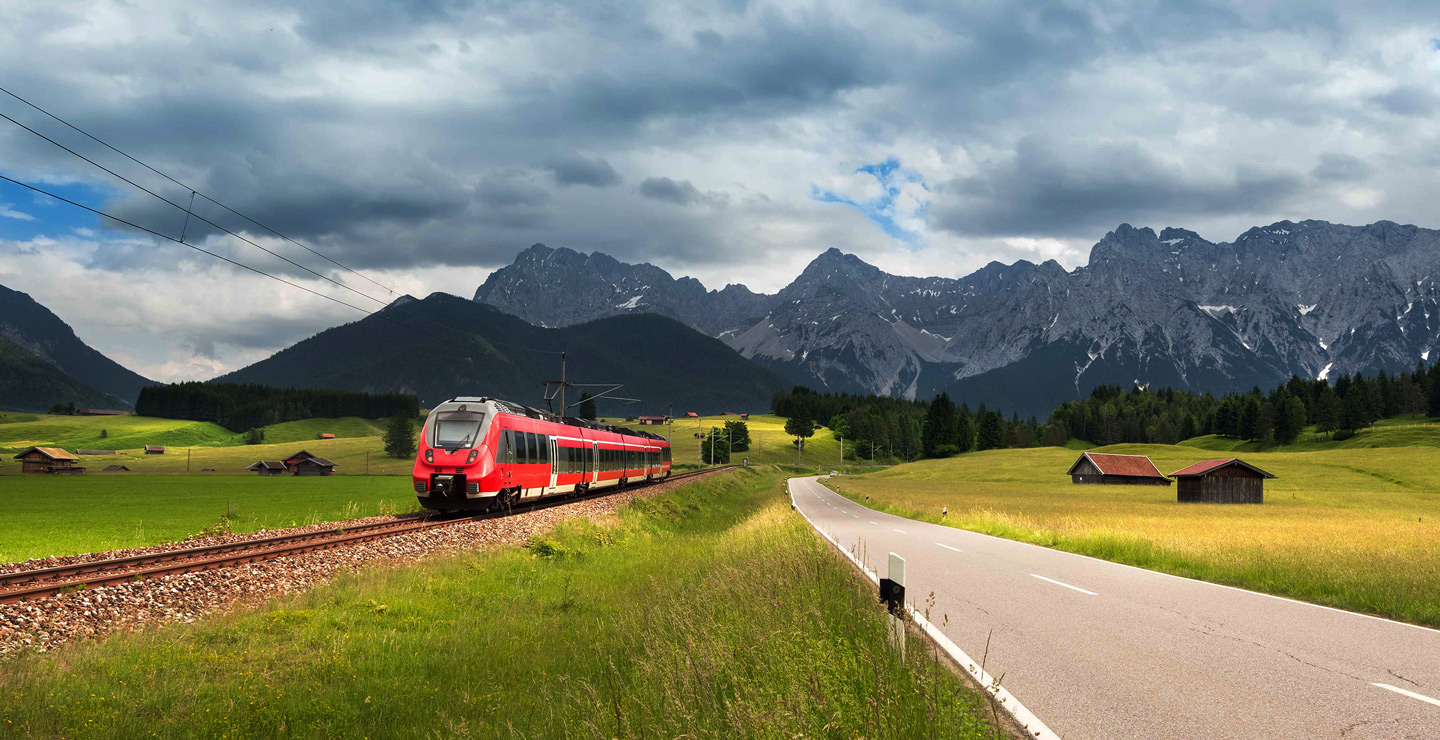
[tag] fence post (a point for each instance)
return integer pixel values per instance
(892, 592)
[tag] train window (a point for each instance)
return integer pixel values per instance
(532, 440)
(454, 430)
(544, 448)
(666, 454)
(507, 447)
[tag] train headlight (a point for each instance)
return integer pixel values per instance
(429, 456)
(471, 459)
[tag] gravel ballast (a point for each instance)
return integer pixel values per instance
(44, 624)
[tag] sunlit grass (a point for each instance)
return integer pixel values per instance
(1353, 528)
(707, 613)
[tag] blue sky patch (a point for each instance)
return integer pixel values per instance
(882, 209)
(25, 214)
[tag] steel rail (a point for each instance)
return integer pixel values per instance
(60, 579)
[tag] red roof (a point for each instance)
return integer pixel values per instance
(691, 415)
(1207, 466)
(1131, 465)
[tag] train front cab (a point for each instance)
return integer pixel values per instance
(455, 457)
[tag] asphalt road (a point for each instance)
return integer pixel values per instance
(1101, 650)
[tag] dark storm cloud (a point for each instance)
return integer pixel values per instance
(1053, 189)
(672, 191)
(578, 170)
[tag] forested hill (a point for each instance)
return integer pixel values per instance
(28, 383)
(659, 360)
(38, 331)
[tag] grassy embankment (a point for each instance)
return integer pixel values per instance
(708, 612)
(205, 445)
(1355, 528)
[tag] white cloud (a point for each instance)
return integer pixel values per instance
(8, 211)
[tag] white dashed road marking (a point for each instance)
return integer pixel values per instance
(947, 547)
(901, 531)
(1066, 585)
(1410, 694)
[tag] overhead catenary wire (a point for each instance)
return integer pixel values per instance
(189, 214)
(193, 191)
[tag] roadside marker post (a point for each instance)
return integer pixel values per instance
(892, 592)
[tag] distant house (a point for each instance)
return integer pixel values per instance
(1228, 481)
(314, 466)
(115, 469)
(48, 460)
(326, 435)
(96, 452)
(100, 412)
(154, 449)
(268, 468)
(295, 459)
(691, 415)
(654, 421)
(745, 417)
(1103, 468)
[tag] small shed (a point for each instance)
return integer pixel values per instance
(653, 421)
(115, 469)
(691, 415)
(47, 460)
(745, 417)
(96, 452)
(100, 412)
(154, 449)
(1109, 469)
(327, 435)
(268, 468)
(1227, 481)
(314, 466)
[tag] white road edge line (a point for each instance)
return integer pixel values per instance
(1410, 694)
(947, 547)
(901, 531)
(1164, 574)
(1007, 701)
(1066, 585)
(876, 523)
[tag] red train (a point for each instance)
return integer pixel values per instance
(480, 453)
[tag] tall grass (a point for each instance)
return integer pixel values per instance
(1357, 529)
(706, 613)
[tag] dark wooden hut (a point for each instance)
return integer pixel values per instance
(115, 469)
(48, 460)
(1123, 470)
(1229, 481)
(268, 468)
(314, 466)
(154, 449)
(294, 460)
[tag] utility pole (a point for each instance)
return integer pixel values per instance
(562, 384)
(187, 459)
(842, 450)
(367, 462)
(699, 449)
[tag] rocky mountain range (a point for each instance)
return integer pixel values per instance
(1162, 310)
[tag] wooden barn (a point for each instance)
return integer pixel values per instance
(1230, 481)
(96, 452)
(268, 468)
(653, 421)
(154, 449)
(115, 469)
(48, 460)
(295, 459)
(1123, 470)
(314, 466)
(327, 435)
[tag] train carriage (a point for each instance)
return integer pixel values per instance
(480, 453)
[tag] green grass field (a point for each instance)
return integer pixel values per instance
(769, 442)
(195, 446)
(1356, 528)
(710, 612)
(1402, 431)
(65, 515)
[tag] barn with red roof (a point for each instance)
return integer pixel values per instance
(1124, 470)
(1224, 481)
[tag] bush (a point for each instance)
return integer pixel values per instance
(254, 436)
(1342, 434)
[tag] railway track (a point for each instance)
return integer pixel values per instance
(40, 583)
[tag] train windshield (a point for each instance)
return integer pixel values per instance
(457, 429)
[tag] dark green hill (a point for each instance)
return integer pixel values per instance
(28, 383)
(38, 331)
(660, 360)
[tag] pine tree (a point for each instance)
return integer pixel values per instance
(1289, 418)
(587, 407)
(965, 429)
(399, 436)
(938, 435)
(992, 430)
(1327, 410)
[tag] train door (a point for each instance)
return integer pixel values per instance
(594, 461)
(554, 461)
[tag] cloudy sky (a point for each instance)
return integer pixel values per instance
(425, 143)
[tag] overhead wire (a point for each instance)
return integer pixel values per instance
(189, 214)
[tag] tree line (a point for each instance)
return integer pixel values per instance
(880, 426)
(240, 407)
